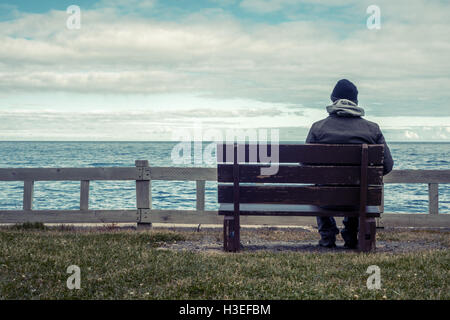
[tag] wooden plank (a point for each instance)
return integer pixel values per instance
(200, 194)
(210, 174)
(183, 174)
(418, 176)
(69, 174)
(292, 210)
(68, 216)
(84, 195)
(433, 198)
(315, 195)
(299, 214)
(28, 190)
(300, 174)
(303, 153)
(206, 217)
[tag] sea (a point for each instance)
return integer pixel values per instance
(399, 198)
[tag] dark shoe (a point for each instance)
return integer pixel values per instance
(350, 238)
(326, 244)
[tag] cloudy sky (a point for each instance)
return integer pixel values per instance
(138, 70)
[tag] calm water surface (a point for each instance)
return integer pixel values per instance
(411, 198)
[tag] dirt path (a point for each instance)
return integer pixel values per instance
(298, 246)
(305, 240)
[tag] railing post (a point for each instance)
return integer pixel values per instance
(433, 198)
(84, 195)
(143, 195)
(28, 189)
(200, 192)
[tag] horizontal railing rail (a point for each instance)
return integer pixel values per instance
(431, 177)
(143, 174)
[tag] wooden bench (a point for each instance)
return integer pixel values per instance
(309, 177)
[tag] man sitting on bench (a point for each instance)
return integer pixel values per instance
(345, 125)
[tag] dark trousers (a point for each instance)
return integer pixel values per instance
(328, 230)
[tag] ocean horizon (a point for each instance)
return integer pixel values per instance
(207, 141)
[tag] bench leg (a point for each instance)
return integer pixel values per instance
(228, 234)
(373, 230)
(231, 235)
(237, 235)
(367, 235)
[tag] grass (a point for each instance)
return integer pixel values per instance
(128, 265)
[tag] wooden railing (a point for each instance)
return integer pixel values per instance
(431, 177)
(143, 175)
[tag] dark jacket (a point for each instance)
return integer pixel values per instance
(349, 130)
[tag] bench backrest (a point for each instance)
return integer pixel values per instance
(313, 174)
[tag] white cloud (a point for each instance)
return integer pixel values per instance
(292, 62)
(404, 66)
(270, 6)
(159, 122)
(411, 135)
(405, 122)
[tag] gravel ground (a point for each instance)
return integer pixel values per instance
(299, 246)
(306, 240)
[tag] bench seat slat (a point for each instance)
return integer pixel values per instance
(314, 195)
(292, 210)
(251, 173)
(305, 153)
